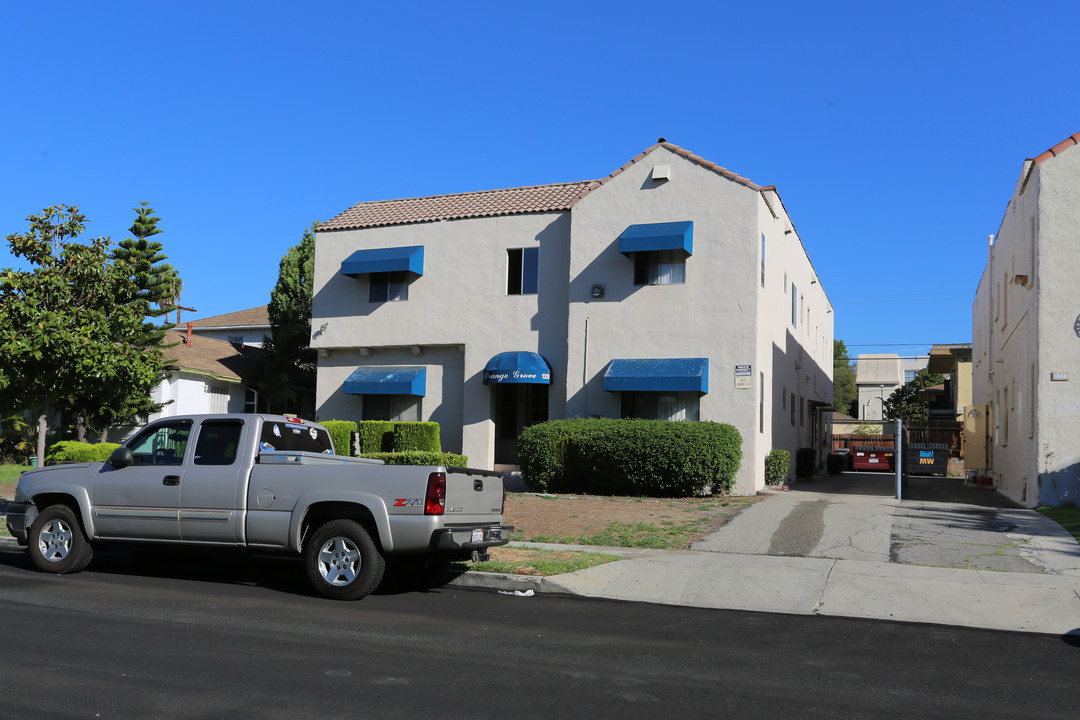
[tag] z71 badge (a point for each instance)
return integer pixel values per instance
(408, 502)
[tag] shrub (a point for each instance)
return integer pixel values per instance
(805, 460)
(630, 457)
(836, 464)
(420, 457)
(72, 451)
(416, 436)
(777, 465)
(341, 432)
(375, 436)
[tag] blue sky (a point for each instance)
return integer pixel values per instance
(894, 132)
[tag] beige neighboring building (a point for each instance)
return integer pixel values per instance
(1024, 421)
(879, 375)
(953, 361)
(671, 289)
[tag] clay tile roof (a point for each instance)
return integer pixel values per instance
(511, 201)
(1061, 147)
(207, 356)
(692, 158)
(253, 317)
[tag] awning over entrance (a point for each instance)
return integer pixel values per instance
(658, 375)
(361, 262)
(517, 367)
(658, 236)
(387, 380)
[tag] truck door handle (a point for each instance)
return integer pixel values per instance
(171, 480)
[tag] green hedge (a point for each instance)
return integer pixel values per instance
(423, 436)
(376, 436)
(805, 461)
(777, 465)
(652, 458)
(341, 433)
(68, 451)
(420, 457)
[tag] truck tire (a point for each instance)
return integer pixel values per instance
(57, 542)
(342, 561)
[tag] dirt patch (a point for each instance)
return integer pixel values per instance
(568, 517)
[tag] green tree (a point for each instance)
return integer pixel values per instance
(845, 393)
(906, 403)
(156, 282)
(288, 362)
(66, 331)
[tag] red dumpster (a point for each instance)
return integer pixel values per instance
(872, 457)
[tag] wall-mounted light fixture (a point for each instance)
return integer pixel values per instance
(597, 292)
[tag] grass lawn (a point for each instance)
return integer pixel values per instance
(1066, 517)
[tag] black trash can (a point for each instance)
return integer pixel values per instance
(927, 459)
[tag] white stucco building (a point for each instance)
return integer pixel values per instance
(670, 289)
(1023, 428)
(879, 375)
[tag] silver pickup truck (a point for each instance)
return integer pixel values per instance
(260, 482)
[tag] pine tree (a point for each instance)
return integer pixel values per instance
(156, 282)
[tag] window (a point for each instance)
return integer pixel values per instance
(909, 376)
(294, 437)
(794, 306)
(397, 408)
(251, 400)
(761, 402)
(218, 442)
(762, 259)
(660, 267)
(236, 339)
(522, 271)
(218, 402)
(792, 409)
(661, 405)
(163, 444)
(388, 286)
(802, 412)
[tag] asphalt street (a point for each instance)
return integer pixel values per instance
(213, 636)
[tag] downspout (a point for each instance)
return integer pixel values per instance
(585, 368)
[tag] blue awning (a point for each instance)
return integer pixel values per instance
(517, 367)
(387, 380)
(658, 375)
(410, 259)
(658, 236)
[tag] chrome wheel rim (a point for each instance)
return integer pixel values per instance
(339, 561)
(54, 540)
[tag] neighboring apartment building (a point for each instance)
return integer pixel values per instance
(879, 375)
(954, 362)
(671, 289)
(1025, 414)
(244, 327)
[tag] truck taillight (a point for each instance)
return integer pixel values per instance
(503, 510)
(435, 502)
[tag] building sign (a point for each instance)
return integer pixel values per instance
(515, 376)
(744, 377)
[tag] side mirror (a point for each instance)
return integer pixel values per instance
(120, 458)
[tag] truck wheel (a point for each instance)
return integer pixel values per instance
(57, 543)
(342, 561)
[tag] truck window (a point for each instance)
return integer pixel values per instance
(294, 437)
(163, 444)
(218, 442)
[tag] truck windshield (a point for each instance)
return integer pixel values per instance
(294, 437)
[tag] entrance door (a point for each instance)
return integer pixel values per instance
(516, 407)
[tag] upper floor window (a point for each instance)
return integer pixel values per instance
(388, 286)
(762, 259)
(522, 271)
(660, 267)
(794, 306)
(909, 375)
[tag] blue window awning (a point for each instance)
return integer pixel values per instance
(361, 262)
(387, 380)
(658, 375)
(517, 367)
(658, 236)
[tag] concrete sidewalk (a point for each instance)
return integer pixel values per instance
(952, 554)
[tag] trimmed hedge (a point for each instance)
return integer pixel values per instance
(805, 460)
(777, 465)
(72, 451)
(375, 436)
(653, 458)
(341, 433)
(420, 457)
(423, 436)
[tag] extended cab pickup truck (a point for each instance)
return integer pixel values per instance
(259, 482)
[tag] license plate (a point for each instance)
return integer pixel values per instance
(873, 460)
(478, 535)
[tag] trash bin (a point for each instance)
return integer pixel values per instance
(872, 457)
(927, 459)
(33, 461)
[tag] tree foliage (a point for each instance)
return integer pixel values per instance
(288, 362)
(68, 332)
(906, 403)
(845, 392)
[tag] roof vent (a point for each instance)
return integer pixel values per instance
(661, 173)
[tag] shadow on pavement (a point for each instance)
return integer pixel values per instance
(922, 488)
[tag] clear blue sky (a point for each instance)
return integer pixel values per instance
(894, 132)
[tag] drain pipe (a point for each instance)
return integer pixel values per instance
(899, 456)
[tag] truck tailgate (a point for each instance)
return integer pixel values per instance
(473, 495)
